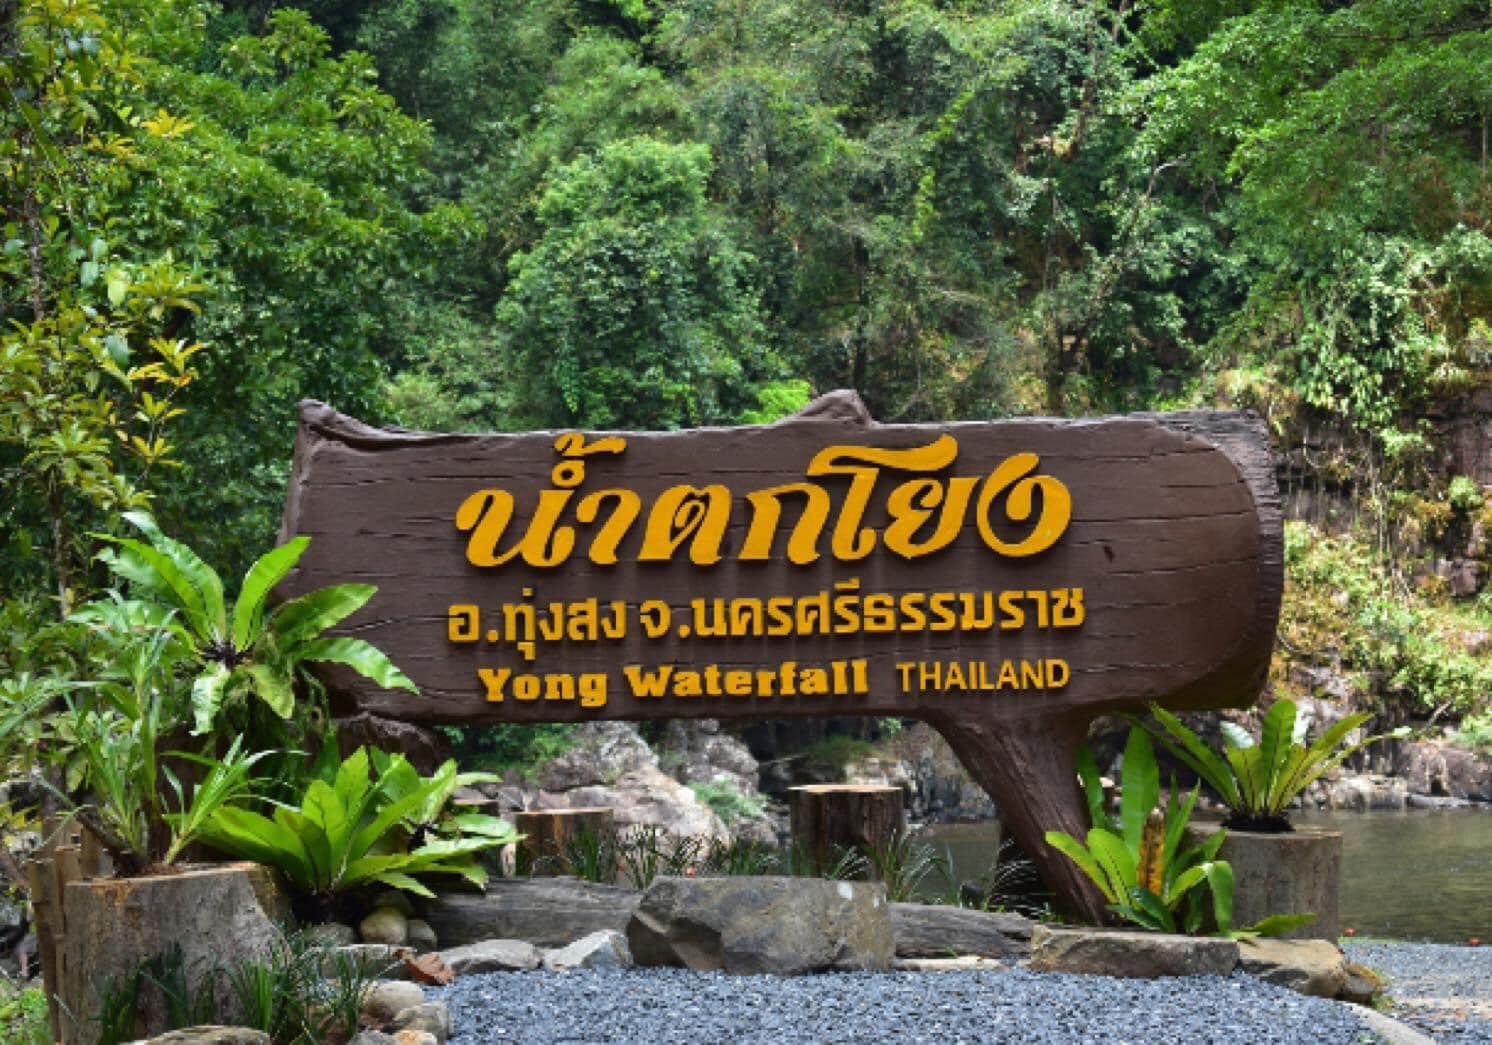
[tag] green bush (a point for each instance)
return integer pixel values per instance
(727, 801)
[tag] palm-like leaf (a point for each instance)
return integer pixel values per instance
(268, 570)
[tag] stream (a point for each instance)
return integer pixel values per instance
(1419, 875)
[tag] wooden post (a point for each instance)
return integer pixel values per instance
(42, 884)
(548, 832)
(827, 818)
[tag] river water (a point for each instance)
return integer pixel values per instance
(1421, 875)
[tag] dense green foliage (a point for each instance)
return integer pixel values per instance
(455, 213)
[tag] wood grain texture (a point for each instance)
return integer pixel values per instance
(1175, 540)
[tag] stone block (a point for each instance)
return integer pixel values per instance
(1142, 955)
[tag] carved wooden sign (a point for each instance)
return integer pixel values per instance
(1005, 582)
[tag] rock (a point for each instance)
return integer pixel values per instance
(415, 1037)
(395, 899)
(762, 925)
(549, 912)
(600, 950)
(387, 925)
(1314, 967)
(492, 956)
(384, 961)
(1441, 770)
(612, 766)
(209, 1035)
(927, 931)
(373, 1037)
(1111, 952)
(1368, 791)
(387, 998)
(432, 1017)
(919, 761)
(420, 936)
(698, 751)
(1362, 986)
(332, 934)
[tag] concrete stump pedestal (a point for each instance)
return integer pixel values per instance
(1293, 872)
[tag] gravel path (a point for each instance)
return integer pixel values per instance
(660, 1006)
(1443, 990)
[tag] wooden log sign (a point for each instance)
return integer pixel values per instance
(1006, 582)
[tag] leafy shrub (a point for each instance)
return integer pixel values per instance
(352, 829)
(727, 801)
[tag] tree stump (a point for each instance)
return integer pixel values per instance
(554, 838)
(829, 818)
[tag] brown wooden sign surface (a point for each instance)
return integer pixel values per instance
(1006, 582)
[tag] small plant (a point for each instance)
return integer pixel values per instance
(904, 865)
(727, 801)
(248, 650)
(590, 856)
(1257, 781)
(735, 857)
(844, 863)
(303, 991)
(646, 851)
(23, 1014)
(1140, 862)
(350, 830)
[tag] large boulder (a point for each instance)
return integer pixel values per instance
(927, 931)
(919, 761)
(749, 925)
(611, 766)
(1442, 770)
(547, 912)
(1144, 955)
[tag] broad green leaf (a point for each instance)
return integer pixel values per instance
(207, 696)
(141, 564)
(399, 880)
(268, 570)
(1274, 744)
(1155, 910)
(203, 577)
(308, 615)
(273, 687)
(361, 656)
(1075, 851)
(487, 825)
(1092, 788)
(1235, 735)
(1276, 924)
(1115, 858)
(1177, 817)
(1188, 747)
(1141, 791)
(1220, 878)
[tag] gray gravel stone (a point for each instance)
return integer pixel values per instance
(1440, 989)
(662, 1006)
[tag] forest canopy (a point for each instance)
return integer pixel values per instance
(638, 214)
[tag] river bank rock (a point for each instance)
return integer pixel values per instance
(919, 761)
(610, 765)
(1439, 769)
(698, 753)
(756, 925)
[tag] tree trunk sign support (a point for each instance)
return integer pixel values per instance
(1007, 582)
